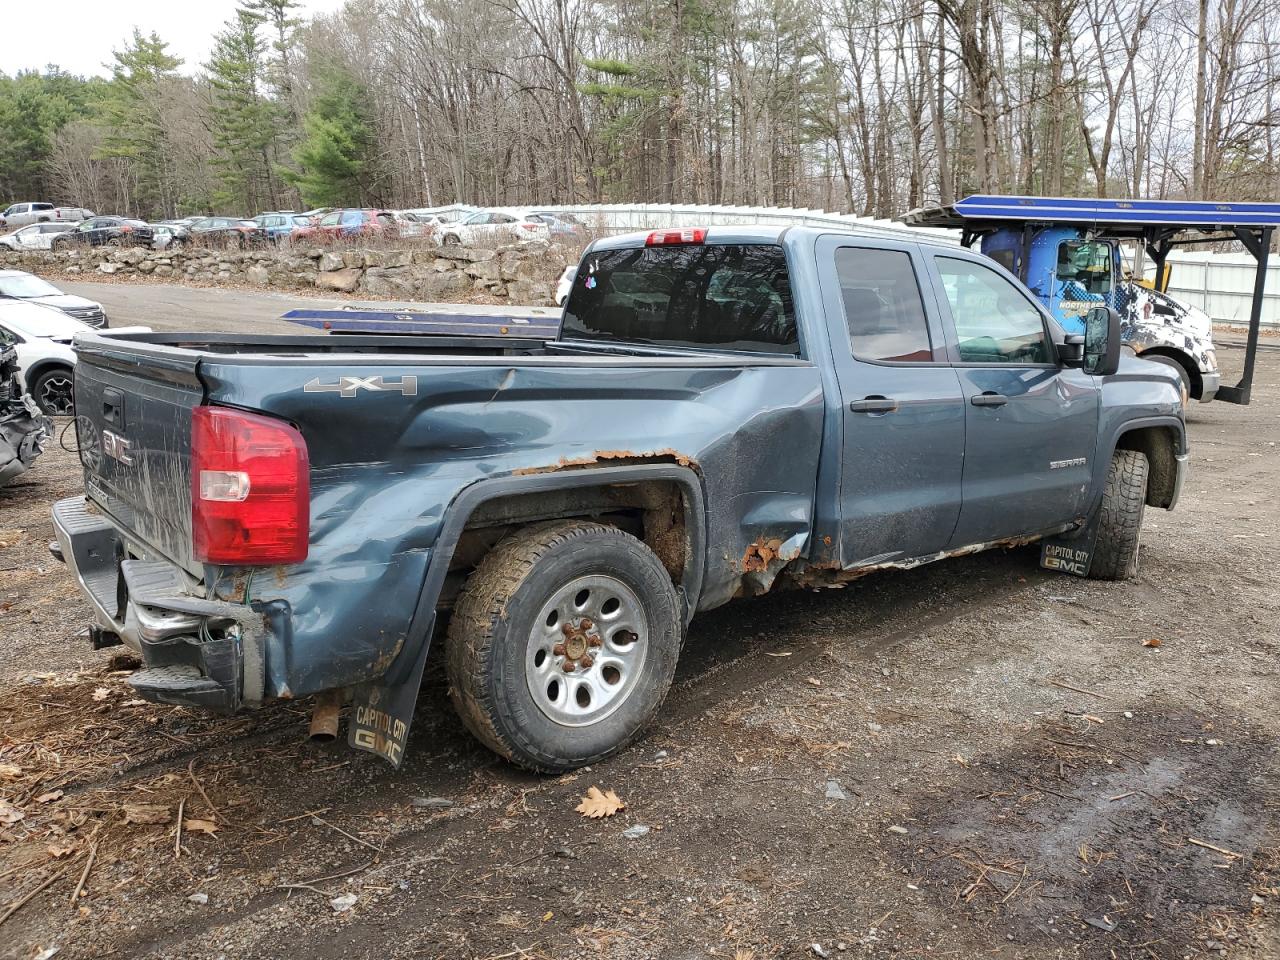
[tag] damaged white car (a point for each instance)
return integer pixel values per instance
(24, 430)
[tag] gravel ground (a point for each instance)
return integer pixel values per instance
(976, 758)
(224, 309)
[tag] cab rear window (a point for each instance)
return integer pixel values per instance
(717, 296)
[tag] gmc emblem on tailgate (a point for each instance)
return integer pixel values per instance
(350, 386)
(116, 447)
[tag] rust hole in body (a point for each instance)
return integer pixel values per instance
(760, 554)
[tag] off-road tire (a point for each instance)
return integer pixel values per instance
(1115, 552)
(490, 627)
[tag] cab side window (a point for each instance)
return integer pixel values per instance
(995, 322)
(882, 305)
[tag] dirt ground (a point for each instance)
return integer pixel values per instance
(973, 759)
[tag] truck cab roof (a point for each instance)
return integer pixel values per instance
(764, 233)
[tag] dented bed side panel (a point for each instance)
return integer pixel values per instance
(750, 432)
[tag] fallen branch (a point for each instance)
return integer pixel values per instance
(191, 772)
(1210, 846)
(32, 895)
(84, 874)
(1055, 793)
(177, 835)
(1091, 693)
(349, 836)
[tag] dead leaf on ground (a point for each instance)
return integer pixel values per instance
(9, 813)
(9, 771)
(145, 813)
(741, 954)
(596, 804)
(1152, 642)
(57, 850)
(101, 694)
(199, 826)
(49, 797)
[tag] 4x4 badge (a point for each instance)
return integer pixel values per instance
(350, 386)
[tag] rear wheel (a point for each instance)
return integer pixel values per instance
(563, 644)
(53, 394)
(1115, 553)
(451, 240)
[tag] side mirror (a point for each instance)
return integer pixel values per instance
(1101, 341)
(1071, 350)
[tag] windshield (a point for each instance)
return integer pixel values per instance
(1086, 263)
(23, 286)
(722, 296)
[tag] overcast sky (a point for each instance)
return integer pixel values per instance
(79, 35)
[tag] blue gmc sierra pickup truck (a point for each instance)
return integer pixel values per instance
(724, 412)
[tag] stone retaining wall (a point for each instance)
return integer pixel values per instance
(524, 273)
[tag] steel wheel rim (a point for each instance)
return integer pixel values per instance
(56, 395)
(606, 644)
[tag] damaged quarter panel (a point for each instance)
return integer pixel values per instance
(749, 430)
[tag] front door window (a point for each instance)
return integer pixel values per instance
(995, 323)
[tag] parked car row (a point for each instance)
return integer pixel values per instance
(21, 214)
(59, 228)
(486, 226)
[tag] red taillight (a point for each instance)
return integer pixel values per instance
(251, 488)
(126, 229)
(662, 238)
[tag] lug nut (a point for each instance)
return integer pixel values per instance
(558, 649)
(586, 623)
(594, 641)
(586, 662)
(567, 629)
(568, 666)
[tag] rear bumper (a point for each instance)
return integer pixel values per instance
(196, 652)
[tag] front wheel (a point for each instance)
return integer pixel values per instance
(1115, 552)
(53, 394)
(563, 644)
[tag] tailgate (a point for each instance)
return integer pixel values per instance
(133, 421)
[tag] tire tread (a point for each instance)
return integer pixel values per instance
(1115, 555)
(480, 607)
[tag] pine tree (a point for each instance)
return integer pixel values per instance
(244, 121)
(338, 154)
(135, 128)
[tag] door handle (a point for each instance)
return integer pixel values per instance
(989, 399)
(873, 404)
(113, 406)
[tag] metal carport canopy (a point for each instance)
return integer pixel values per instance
(1159, 224)
(1133, 218)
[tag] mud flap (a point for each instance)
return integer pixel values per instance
(1072, 552)
(381, 714)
